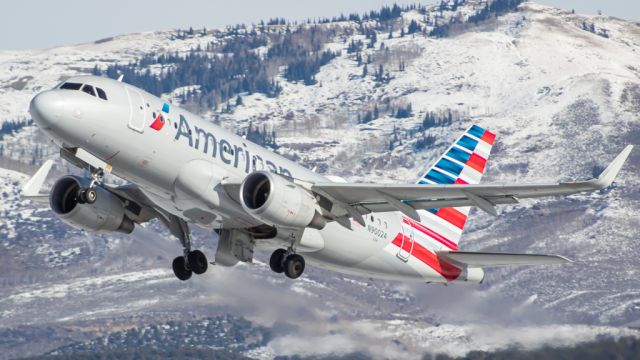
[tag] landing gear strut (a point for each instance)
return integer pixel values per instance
(288, 262)
(89, 195)
(191, 262)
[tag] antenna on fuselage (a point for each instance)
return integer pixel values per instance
(120, 77)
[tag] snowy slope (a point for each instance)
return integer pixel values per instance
(562, 100)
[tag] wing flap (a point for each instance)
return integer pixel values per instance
(485, 259)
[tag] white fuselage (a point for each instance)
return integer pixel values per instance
(179, 166)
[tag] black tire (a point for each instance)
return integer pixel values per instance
(276, 261)
(82, 198)
(198, 262)
(180, 269)
(294, 266)
(90, 196)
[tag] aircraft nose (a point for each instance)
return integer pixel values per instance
(47, 107)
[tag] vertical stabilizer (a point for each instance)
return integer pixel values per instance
(464, 162)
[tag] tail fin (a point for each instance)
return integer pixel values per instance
(463, 163)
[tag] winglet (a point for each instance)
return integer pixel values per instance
(609, 174)
(33, 186)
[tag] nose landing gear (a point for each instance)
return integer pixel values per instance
(89, 195)
(287, 262)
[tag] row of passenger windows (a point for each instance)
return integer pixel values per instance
(85, 88)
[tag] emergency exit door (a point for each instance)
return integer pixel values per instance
(406, 248)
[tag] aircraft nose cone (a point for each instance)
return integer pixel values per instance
(46, 108)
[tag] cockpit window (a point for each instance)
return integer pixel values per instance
(89, 90)
(101, 93)
(71, 86)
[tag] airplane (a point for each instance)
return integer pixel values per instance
(182, 170)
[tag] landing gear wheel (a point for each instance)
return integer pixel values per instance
(90, 195)
(197, 262)
(294, 266)
(82, 197)
(277, 259)
(180, 269)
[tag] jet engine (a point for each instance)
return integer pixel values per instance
(107, 213)
(276, 200)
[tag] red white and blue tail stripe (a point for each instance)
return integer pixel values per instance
(463, 163)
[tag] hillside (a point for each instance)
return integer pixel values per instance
(561, 90)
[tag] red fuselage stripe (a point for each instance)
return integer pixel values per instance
(432, 234)
(448, 271)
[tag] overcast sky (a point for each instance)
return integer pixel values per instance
(45, 23)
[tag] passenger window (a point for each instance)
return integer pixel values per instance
(89, 90)
(101, 93)
(71, 86)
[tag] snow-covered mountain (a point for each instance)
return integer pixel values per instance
(561, 90)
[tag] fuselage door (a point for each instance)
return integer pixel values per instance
(138, 110)
(407, 241)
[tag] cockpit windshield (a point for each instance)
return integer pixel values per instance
(101, 94)
(86, 88)
(71, 86)
(89, 90)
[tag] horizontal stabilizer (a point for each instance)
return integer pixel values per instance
(480, 259)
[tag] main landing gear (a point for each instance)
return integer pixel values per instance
(287, 262)
(89, 195)
(195, 262)
(191, 262)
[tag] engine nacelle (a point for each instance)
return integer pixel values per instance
(106, 214)
(275, 200)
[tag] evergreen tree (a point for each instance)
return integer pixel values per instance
(413, 27)
(373, 39)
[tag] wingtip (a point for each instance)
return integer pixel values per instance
(32, 187)
(609, 174)
(564, 259)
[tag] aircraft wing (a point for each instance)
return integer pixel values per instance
(141, 209)
(365, 198)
